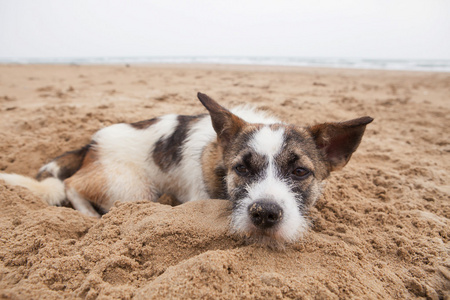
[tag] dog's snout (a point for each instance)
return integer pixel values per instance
(265, 214)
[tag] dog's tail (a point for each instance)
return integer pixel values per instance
(51, 189)
(49, 182)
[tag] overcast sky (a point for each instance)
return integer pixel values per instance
(382, 29)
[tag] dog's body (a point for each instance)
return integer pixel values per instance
(271, 171)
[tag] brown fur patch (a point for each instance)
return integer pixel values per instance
(299, 142)
(234, 154)
(300, 151)
(69, 163)
(225, 124)
(213, 171)
(144, 124)
(338, 141)
(90, 181)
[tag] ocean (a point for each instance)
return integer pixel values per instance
(356, 63)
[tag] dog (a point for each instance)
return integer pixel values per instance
(271, 172)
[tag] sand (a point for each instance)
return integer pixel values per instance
(380, 231)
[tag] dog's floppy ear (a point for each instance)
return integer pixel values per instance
(338, 141)
(225, 123)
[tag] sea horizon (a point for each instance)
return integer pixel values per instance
(433, 65)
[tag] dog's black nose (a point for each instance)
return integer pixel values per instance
(265, 214)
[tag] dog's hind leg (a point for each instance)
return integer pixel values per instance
(81, 204)
(96, 186)
(86, 189)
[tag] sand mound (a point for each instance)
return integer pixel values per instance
(381, 229)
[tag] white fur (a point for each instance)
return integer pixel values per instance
(267, 141)
(251, 115)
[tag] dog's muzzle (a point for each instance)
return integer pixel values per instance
(265, 214)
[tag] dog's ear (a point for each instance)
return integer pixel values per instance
(338, 141)
(225, 123)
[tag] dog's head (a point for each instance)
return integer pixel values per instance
(275, 172)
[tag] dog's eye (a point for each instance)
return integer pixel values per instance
(241, 170)
(301, 173)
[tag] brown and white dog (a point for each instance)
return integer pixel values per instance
(272, 172)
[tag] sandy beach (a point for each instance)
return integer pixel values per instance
(380, 231)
